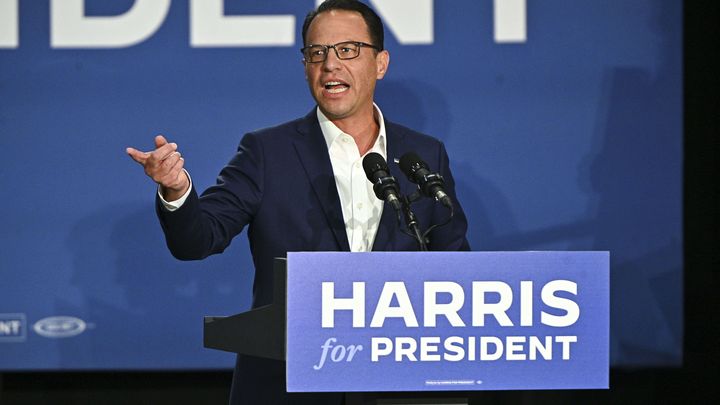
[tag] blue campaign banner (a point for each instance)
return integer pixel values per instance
(447, 321)
(562, 121)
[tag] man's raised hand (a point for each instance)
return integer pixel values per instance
(165, 166)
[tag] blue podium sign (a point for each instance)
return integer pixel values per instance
(442, 321)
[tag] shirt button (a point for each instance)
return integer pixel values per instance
(357, 165)
(345, 140)
(359, 206)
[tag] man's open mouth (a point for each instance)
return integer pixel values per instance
(336, 87)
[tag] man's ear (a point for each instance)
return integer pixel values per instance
(383, 61)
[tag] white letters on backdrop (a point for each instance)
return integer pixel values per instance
(70, 28)
(210, 27)
(9, 24)
(411, 22)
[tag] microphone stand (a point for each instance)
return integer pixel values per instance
(412, 223)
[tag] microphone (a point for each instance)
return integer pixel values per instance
(430, 184)
(384, 185)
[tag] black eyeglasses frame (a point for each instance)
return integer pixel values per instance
(359, 44)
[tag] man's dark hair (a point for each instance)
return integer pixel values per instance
(373, 22)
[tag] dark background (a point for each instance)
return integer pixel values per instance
(693, 382)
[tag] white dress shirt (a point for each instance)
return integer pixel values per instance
(361, 209)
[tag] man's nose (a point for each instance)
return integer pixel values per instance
(332, 61)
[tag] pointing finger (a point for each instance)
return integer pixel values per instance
(138, 156)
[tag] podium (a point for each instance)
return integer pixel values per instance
(431, 323)
(259, 332)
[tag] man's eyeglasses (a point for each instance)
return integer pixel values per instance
(343, 50)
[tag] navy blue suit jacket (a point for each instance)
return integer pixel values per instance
(281, 185)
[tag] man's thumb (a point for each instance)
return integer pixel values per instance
(160, 141)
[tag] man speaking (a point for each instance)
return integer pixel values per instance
(300, 186)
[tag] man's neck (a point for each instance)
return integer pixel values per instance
(364, 129)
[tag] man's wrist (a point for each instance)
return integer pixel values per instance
(173, 201)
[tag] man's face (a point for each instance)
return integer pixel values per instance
(342, 88)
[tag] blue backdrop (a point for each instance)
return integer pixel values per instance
(568, 140)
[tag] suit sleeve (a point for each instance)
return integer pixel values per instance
(450, 237)
(206, 224)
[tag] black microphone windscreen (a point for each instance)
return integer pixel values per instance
(373, 162)
(408, 160)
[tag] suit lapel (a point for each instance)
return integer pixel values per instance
(388, 228)
(313, 154)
